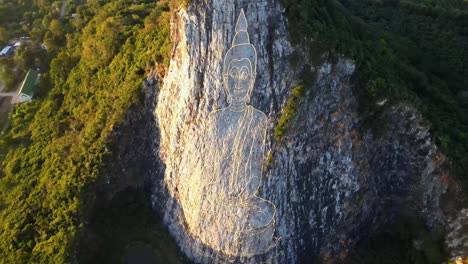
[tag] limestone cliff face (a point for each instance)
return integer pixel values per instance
(331, 181)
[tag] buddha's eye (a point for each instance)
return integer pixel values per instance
(244, 73)
(234, 73)
(244, 76)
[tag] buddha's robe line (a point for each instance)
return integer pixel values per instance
(236, 157)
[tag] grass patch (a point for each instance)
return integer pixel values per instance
(289, 112)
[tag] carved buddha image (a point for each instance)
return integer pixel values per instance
(230, 218)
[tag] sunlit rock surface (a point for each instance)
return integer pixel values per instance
(331, 181)
(457, 239)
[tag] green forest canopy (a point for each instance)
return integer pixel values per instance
(55, 147)
(406, 51)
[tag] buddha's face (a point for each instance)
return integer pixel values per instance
(239, 79)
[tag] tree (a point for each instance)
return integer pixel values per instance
(56, 28)
(4, 36)
(37, 34)
(50, 42)
(8, 75)
(25, 57)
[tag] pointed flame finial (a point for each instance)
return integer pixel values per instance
(241, 37)
(241, 22)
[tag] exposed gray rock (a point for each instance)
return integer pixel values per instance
(331, 181)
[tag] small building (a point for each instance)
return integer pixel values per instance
(26, 91)
(17, 44)
(5, 50)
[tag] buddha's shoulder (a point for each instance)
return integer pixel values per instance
(258, 115)
(216, 114)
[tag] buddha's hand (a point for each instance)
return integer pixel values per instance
(252, 187)
(236, 197)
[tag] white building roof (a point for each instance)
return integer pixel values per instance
(5, 50)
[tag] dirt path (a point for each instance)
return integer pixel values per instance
(13, 94)
(7, 94)
(5, 108)
(64, 8)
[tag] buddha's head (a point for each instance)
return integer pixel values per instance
(240, 63)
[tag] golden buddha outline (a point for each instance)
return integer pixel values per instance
(225, 213)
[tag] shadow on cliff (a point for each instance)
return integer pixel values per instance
(121, 225)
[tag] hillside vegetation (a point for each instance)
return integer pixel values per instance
(55, 147)
(412, 52)
(406, 51)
